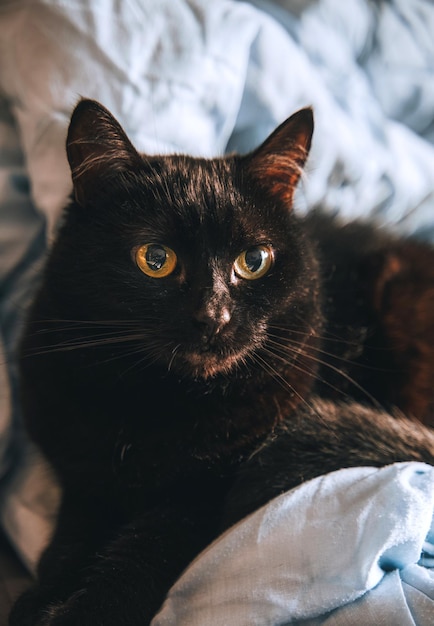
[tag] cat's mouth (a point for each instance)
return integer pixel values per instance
(220, 353)
(210, 363)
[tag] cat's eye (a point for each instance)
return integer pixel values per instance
(155, 260)
(254, 262)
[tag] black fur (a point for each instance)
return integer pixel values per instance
(171, 407)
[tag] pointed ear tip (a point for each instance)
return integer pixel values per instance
(304, 123)
(86, 104)
(82, 115)
(78, 120)
(306, 115)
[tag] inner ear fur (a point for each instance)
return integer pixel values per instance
(278, 162)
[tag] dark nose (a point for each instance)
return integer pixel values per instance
(211, 320)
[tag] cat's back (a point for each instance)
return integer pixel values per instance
(378, 303)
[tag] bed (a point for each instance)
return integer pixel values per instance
(209, 78)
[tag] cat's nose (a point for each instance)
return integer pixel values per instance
(211, 322)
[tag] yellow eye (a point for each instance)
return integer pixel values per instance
(254, 262)
(156, 260)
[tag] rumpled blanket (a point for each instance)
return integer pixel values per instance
(205, 78)
(352, 547)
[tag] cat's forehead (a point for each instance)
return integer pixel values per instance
(205, 197)
(193, 178)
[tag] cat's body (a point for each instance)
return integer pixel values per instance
(187, 318)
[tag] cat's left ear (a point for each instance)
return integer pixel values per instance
(278, 162)
(96, 147)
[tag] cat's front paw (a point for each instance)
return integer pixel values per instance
(31, 609)
(80, 609)
(61, 614)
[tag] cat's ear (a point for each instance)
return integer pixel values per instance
(278, 162)
(96, 147)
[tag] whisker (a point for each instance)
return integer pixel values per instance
(74, 325)
(326, 336)
(150, 357)
(174, 351)
(80, 342)
(308, 372)
(333, 355)
(341, 373)
(281, 380)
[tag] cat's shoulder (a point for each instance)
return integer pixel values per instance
(335, 235)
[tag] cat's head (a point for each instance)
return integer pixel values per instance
(202, 260)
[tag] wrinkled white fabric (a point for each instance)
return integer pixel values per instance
(327, 544)
(204, 77)
(172, 71)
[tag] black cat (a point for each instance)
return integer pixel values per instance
(187, 318)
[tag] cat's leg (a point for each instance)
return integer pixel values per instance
(323, 437)
(77, 538)
(129, 577)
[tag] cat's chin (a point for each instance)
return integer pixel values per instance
(209, 365)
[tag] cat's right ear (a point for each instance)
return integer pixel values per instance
(278, 162)
(96, 147)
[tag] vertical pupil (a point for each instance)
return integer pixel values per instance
(155, 257)
(254, 259)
